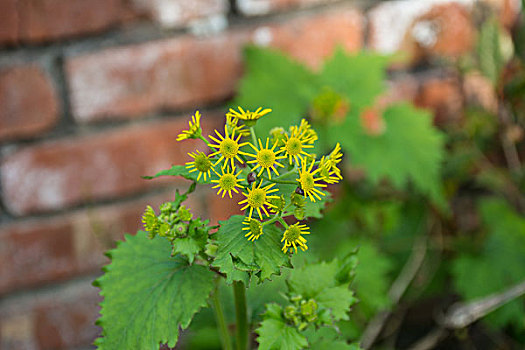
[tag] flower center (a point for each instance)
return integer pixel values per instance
(265, 158)
(255, 227)
(202, 163)
(228, 148)
(227, 182)
(292, 234)
(307, 182)
(294, 146)
(256, 198)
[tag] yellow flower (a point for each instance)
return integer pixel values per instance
(328, 171)
(293, 237)
(257, 198)
(304, 132)
(194, 131)
(307, 182)
(254, 228)
(247, 115)
(228, 147)
(228, 181)
(336, 155)
(201, 163)
(265, 158)
(294, 148)
(232, 124)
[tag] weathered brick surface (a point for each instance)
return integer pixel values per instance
(180, 13)
(261, 7)
(182, 72)
(41, 251)
(44, 20)
(8, 21)
(421, 28)
(443, 96)
(59, 174)
(28, 102)
(333, 28)
(59, 319)
(174, 73)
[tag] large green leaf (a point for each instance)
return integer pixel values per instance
(149, 295)
(500, 264)
(327, 338)
(237, 255)
(360, 78)
(275, 334)
(409, 151)
(275, 81)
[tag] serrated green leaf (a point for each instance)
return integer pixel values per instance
(500, 264)
(321, 283)
(327, 338)
(275, 334)
(181, 170)
(409, 151)
(359, 77)
(187, 246)
(148, 294)
(288, 96)
(338, 299)
(236, 253)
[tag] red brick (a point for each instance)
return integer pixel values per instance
(59, 174)
(41, 251)
(28, 104)
(171, 73)
(181, 72)
(312, 39)
(180, 13)
(58, 319)
(44, 20)
(261, 7)
(222, 208)
(8, 21)
(443, 96)
(423, 28)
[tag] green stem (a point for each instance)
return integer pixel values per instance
(207, 142)
(221, 322)
(272, 220)
(254, 137)
(280, 181)
(285, 225)
(239, 292)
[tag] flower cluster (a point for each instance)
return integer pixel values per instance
(258, 168)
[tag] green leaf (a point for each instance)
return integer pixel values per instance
(275, 81)
(275, 334)
(236, 254)
(371, 279)
(327, 338)
(499, 265)
(358, 77)
(181, 170)
(409, 151)
(148, 294)
(321, 282)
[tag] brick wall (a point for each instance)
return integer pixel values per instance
(93, 93)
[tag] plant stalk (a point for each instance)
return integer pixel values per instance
(239, 293)
(221, 322)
